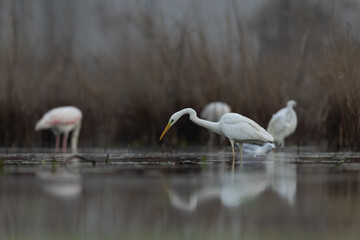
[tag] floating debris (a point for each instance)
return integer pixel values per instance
(77, 160)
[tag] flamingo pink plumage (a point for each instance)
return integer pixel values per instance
(62, 120)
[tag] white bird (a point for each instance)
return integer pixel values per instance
(283, 123)
(235, 127)
(213, 112)
(62, 120)
(257, 150)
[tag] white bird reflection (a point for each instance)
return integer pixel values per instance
(234, 190)
(60, 183)
(190, 205)
(64, 181)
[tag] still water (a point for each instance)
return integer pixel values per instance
(191, 193)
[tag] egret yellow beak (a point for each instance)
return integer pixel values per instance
(165, 130)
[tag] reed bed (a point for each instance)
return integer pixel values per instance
(128, 99)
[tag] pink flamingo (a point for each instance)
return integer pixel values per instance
(62, 120)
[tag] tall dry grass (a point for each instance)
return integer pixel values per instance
(129, 99)
(339, 76)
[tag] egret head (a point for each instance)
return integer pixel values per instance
(291, 103)
(176, 117)
(171, 122)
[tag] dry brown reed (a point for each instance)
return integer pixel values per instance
(339, 112)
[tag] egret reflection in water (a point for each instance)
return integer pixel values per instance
(235, 190)
(276, 196)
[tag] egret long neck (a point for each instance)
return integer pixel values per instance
(212, 126)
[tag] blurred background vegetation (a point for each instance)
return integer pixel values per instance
(130, 64)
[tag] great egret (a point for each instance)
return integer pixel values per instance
(235, 127)
(283, 123)
(62, 120)
(213, 112)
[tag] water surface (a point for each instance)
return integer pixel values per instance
(191, 193)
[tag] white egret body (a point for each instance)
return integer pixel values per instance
(62, 120)
(283, 123)
(213, 112)
(235, 127)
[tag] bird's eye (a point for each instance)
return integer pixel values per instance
(172, 120)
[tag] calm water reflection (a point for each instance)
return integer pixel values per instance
(161, 195)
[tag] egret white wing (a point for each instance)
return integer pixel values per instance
(240, 128)
(282, 123)
(277, 122)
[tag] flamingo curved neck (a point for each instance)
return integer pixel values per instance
(75, 137)
(213, 126)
